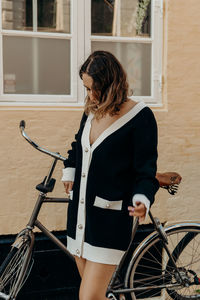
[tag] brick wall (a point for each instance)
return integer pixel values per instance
(13, 14)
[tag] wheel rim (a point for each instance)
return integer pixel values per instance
(12, 277)
(155, 269)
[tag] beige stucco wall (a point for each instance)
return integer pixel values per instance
(179, 126)
(22, 167)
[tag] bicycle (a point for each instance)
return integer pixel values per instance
(165, 263)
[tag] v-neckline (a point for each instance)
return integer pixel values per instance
(120, 122)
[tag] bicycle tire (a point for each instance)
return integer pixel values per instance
(14, 269)
(151, 268)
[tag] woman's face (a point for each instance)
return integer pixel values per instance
(88, 82)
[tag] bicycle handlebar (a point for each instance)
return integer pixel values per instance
(171, 188)
(22, 126)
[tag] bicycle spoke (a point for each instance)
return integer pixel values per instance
(14, 274)
(153, 267)
(12, 271)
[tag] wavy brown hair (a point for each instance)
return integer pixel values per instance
(110, 87)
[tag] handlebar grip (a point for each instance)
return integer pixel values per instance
(22, 124)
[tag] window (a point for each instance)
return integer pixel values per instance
(132, 30)
(43, 43)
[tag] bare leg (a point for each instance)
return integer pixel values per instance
(80, 262)
(95, 280)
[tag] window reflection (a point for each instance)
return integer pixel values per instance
(121, 17)
(28, 24)
(136, 60)
(14, 15)
(46, 65)
(54, 15)
(48, 15)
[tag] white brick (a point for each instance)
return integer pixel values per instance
(8, 25)
(8, 15)
(7, 5)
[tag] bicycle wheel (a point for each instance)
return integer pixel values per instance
(152, 274)
(13, 271)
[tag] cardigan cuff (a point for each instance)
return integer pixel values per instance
(143, 199)
(68, 174)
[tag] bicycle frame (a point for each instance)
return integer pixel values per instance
(46, 185)
(34, 222)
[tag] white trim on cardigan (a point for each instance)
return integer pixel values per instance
(143, 199)
(68, 174)
(117, 124)
(95, 254)
(78, 246)
(106, 204)
(86, 158)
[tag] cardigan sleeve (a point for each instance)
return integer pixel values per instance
(145, 156)
(142, 199)
(70, 162)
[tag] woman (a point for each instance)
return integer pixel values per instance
(111, 169)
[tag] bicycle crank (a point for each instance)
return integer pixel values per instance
(187, 279)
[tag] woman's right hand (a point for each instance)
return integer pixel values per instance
(68, 186)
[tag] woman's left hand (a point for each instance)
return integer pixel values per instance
(139, 210)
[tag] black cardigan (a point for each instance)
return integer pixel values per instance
(120, 164)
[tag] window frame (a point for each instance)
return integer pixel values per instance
(80, 49)
(156, 40)
(43, 99)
